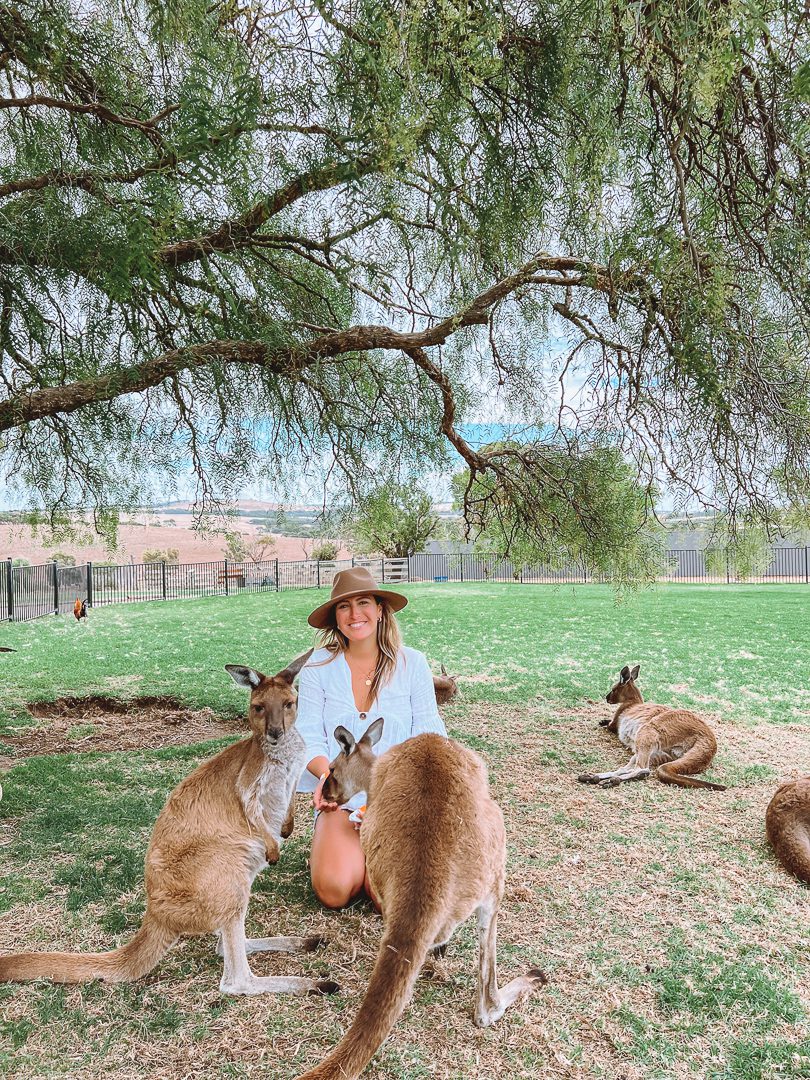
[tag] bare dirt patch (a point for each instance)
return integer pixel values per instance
(81, 724)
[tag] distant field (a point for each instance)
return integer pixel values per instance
(156, 532)
(674, 944)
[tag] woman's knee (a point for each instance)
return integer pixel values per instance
(335, 890)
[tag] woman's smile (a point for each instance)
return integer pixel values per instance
(357, 618)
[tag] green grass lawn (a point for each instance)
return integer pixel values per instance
(675, 945)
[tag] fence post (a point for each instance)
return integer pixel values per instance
(163, 577)
(55, 588)
(226, 577)
(89, 584)
(408, 564)
(461, 566)
(728, 569)
(318, 571)
(278, 583)
(382, 567)
(10, 588)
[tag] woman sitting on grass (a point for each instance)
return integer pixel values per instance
(362, 671)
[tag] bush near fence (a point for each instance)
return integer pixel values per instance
(29, 592)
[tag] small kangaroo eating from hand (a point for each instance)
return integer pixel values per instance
(220, 827)
(673, 742)
(787, 823)
(435, 851)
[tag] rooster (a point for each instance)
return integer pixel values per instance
(80, 608)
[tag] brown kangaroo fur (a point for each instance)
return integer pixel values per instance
(435, 852)
(787, 823)
(220, 827)
(673, 742)
(444, 687)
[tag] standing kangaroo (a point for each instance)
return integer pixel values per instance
(675, 742)
(435, 852)
(787, 823)
(220, 827)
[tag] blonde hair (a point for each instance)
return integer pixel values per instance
(389, 643)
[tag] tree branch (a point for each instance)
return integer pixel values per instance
(238, 232)
(36, 404)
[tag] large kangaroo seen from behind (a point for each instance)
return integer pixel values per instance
(220, 827)
(787, 823)
(672, 742)
(435, 851)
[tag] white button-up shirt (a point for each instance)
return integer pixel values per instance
(326, 701)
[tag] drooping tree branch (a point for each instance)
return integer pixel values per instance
(288, 362)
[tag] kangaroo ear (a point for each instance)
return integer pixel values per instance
(634, 672)
(345, 739)
(291, 670)
(374, 732)
(624, 674)
(444, 670)
(244, 676)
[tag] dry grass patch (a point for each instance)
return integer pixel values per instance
(674, 943)
(97, 723)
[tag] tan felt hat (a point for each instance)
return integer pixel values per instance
(355, 582)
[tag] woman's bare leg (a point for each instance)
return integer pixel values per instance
(337, 865)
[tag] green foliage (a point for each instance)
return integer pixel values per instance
(550, 505)
(153, 555)
(222, 250)
(325, 551)
(63, 558)
(395, 520)
(742, 553)
(244, 547)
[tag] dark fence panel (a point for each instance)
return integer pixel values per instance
(71, 584)
(128, 582)
(436, 567)
(789, 564)
(6, 590)
(33, 591)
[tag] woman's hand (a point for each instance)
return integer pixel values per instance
(318, 800)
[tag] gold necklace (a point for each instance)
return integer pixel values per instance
(367, 678)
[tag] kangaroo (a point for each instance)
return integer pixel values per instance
(220, 826)
(444, 687)
(787, 823)
(435, 852)
(674, 742)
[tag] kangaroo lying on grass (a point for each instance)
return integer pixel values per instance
(435, 852)
(675, 742)
(220, 827)
(787, 823)
(444, 687)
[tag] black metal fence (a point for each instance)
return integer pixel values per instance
(28, 592)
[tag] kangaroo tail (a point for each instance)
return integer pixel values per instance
(695, 760)
(402, 953)
(130, 962)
